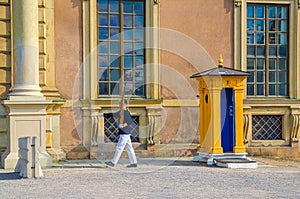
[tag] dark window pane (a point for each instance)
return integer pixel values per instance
(128, 75)
(103, 75)
(283, 13)
(139, 7)
(139, 48)
(139, 35)
(103, 89)
(260, 76)
(260, 38)
(139, 76)
(114, 88)
(272, 51)
(139, 21)
(261, 51)
(139, 61)
(250, 25)
(282, 38)
(260, 25)
(103, 19)
(139, 90)
(114, 5)
(127, 6)
(272, 89)
(272, 25)
(260, 12)
(250, 11)
(128, 62)
(128, 35)
(128, 89)
(272, 76)
(283, 89)
(282, 77)
(251, 77)
(103, 61)
(102, 6)
(114, 75)
(103, 47)
(103, 33)
(114, 47)
(114, 20)
(250, 38)
(127, 20)
(282, 64)
(272, 11)
(260, 89)
(250, 89)
(260, 64)
(272, 64)
(128, 48)
(282, 51)
(282, 25)
(272, 38)
(115, 61)
(250, 64)
(251, 50)
(114, 34)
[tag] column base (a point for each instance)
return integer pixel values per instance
(216, 150)
(57, 154)
(26, 118)
(239, 149)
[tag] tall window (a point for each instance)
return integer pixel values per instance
(267, 50)
(121, 47)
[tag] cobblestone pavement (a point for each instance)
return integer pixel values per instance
(156, 178)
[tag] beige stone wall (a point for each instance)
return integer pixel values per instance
(210, 24)
(206, 22)
(181, 125)
(68, 50)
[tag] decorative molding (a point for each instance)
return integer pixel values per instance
(246, 127)
(156, 1)
(238, 3)
(295, 127)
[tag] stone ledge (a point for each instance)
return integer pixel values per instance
(280, 151)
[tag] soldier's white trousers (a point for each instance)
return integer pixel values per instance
(124, 141)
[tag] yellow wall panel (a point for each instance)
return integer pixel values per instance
(4, 28)
(4, 12)
(4, 44)
(5, 60)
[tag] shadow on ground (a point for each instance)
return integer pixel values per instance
(10, 176)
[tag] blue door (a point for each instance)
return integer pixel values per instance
(227, 120)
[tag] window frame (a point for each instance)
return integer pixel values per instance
(240, 44)
(90, 52)
(121, 83)
(266, 70)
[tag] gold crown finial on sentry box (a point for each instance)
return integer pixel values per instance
(220, 61)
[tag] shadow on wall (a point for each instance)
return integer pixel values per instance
(228, 5)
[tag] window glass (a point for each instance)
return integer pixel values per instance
(267, 50)
(121, 46)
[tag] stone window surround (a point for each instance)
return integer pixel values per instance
(288, 108)
(92, 105)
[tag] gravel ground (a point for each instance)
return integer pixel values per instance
(156, 178)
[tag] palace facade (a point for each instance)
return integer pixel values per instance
(64, 65)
